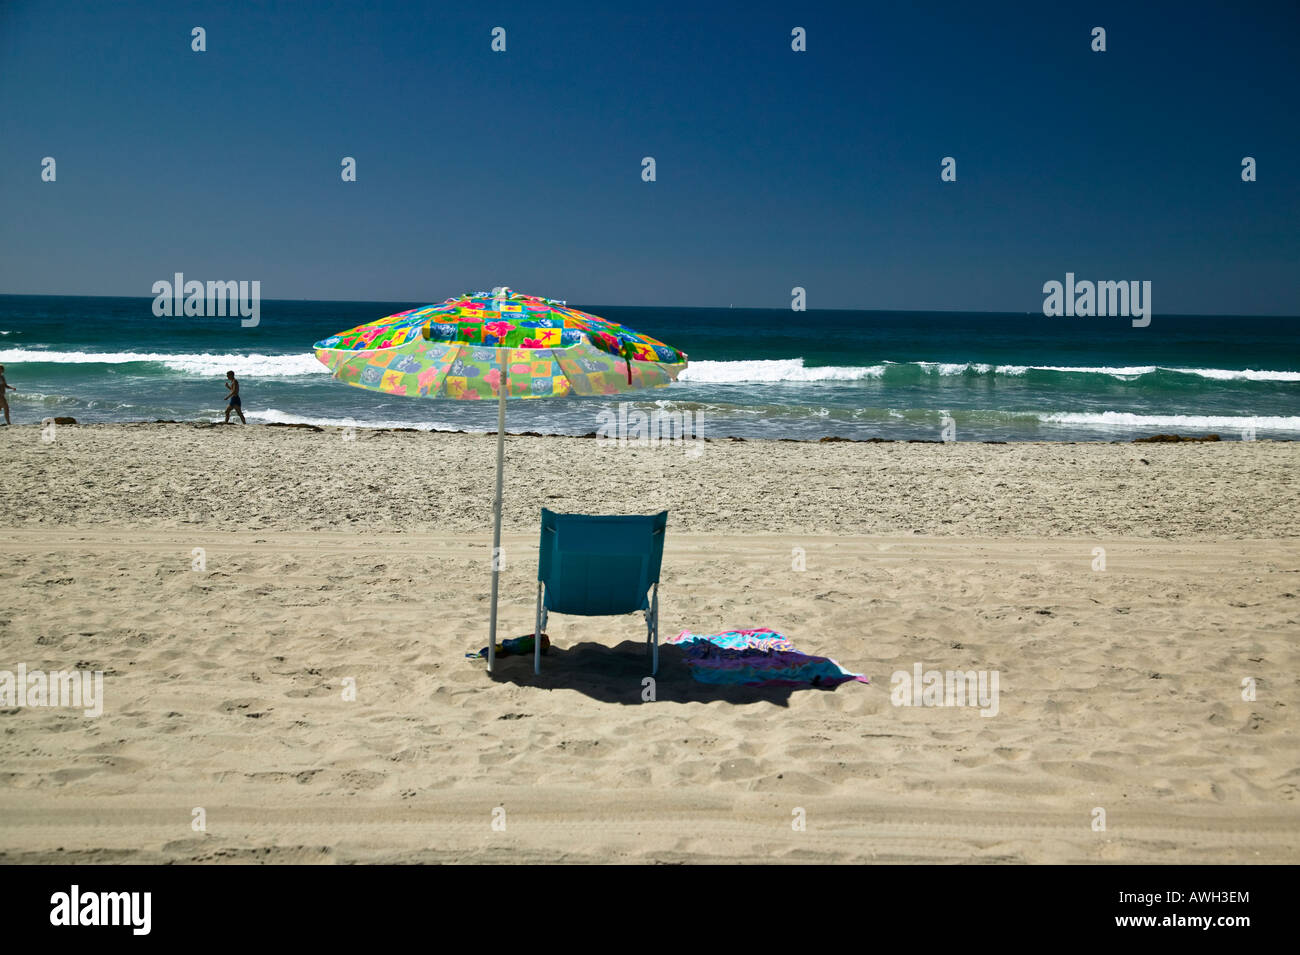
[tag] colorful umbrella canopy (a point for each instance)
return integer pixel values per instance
(457, 349)
(464, 348)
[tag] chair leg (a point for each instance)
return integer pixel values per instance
(537, 632)
(649, 630)
(654, 627)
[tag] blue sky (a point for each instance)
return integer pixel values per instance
(774, 168)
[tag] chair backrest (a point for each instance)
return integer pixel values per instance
(597, 565)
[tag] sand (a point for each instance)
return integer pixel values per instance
(327, 560)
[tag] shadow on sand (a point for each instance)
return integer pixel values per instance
(615, 674)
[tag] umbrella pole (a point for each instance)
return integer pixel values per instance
(496, 512)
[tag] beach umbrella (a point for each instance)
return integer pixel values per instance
(499, 344)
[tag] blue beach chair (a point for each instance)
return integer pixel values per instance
(597, 566)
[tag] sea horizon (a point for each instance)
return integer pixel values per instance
(875, 309)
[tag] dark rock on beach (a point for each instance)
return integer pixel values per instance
(1160, 438)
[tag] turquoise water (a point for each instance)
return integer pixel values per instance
(755, 373)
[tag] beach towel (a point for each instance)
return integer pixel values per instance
(759, 657)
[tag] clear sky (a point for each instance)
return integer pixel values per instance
(819, 169)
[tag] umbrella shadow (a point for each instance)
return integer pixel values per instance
(616, 675)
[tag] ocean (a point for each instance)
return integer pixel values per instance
(754, 373)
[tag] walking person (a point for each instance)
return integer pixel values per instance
(4, 398)
(232, 398)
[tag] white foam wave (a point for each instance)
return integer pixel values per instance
(1227, 374)
(793, 369)
(1123, 419)
(982, 368)
(775, 369)
(953, 367)
(275, 416)
(1134, 371)
(253, 366)
(704, 372)
(1124, 371)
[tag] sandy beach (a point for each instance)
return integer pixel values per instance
(326, 560)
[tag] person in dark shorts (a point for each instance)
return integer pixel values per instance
(232, 398)
(4, 398)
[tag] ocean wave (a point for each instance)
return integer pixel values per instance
(773, 369)
(1227, 374)
(778, 370)
(40, 397)
(1123, 419)
(794, 370)
(275, 416)
(949, 368)
(1126, 372)
(252, 366)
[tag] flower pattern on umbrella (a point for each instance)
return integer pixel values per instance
(456, 349)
